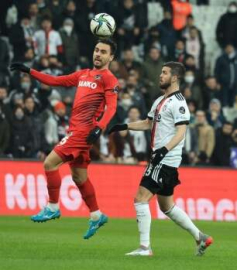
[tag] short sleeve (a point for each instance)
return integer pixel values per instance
(111, 84)
(181, 113)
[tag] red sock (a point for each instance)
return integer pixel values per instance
(53, 184)
(88, 195)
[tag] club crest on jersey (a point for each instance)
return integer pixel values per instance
(88, 84)
(182, 110)
(158, 117)
(97, 77)
(116, 89)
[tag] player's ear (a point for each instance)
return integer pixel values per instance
(111, 57)
(174, 78)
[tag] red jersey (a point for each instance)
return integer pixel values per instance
(96, 90)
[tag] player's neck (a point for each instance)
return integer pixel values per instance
(102, 68)
(171, 89)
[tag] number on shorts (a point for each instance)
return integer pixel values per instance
(64, 140)
(148, 170)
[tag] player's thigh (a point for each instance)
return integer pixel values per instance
(143, 195)
(165, 202)
(52, 161)
(79, 175)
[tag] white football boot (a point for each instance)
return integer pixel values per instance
(141, 251)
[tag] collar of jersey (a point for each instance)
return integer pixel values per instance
(174, 93)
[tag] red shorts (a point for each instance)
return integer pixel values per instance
(74, 150)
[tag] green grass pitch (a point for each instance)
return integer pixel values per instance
(58, 244)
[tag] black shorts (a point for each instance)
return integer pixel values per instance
(160, 179)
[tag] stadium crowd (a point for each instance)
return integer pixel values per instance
(54, 37)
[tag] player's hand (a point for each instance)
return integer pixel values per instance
(158, 155)
(19, 66)
(93, 135)
(118, 128)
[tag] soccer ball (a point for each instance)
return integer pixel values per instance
(103, 25)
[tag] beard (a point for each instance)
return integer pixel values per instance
(165, 85)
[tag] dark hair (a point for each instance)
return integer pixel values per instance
(177, 69)
(111, 43)
(227, 123)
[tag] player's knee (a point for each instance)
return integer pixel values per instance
(48, 165)
(79, 179)
(140, 199)
(164, 208)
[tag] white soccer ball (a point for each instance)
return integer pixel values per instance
(103, 25)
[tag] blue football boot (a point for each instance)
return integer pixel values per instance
(45, 214)
(94, 225)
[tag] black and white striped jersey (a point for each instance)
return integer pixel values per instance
(166, 114)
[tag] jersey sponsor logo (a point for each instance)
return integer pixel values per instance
(88, 84)
(182, 110)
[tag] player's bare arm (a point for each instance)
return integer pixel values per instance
(178, 137)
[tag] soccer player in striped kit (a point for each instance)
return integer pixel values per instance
(167, 120)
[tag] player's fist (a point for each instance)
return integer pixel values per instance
(19, 66)
(118, 128)
(93, 135)
(158, 155)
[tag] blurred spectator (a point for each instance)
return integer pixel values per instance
(195, 47)
(34, 15)
(131, 22)
(57, 7)
(4, 62)
(226, 75)
(185, 32)
(191, 89)
(43, 9)
(224, 142)
(211, 90)
(135, 94)
(206, 139)
(54, 66)
(57, 124)
(152, 67)
(39, 147)
(21, 135)
(192, 109)
(11, 14)
(29, 57)
(167, 35)
(138, 137)
(25, 89)
(87, 9)
(104, 149)
(190, 149)
(227, 27)
(124, 104)
(21, 38)
(47, 40)
(128, 61)
(70, 46)
(4, 133)
(118, 70)
(181, 10)
(179, 51)
(70, 11)
(215, 115)
(4, 106)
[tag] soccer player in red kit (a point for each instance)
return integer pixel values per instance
(96, 90)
